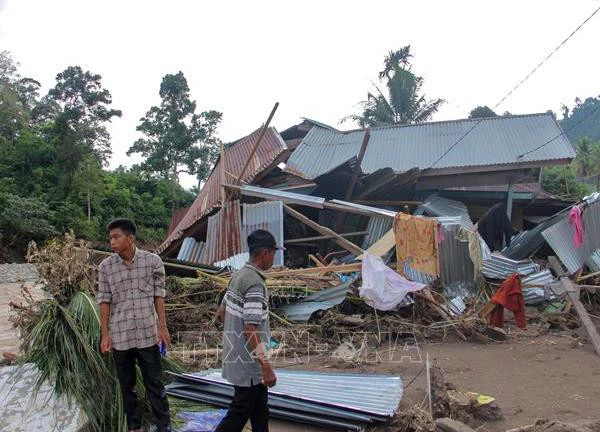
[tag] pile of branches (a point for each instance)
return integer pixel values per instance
(61, 334)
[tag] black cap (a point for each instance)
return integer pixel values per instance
(262, 239)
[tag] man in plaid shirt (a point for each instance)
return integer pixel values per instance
(131, 296)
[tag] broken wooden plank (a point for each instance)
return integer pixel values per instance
(573, 293)
(316, 260)
(325, 237)
(260, 137)
(589, 276)
(349, 246)
(342, 268)
(383, 245)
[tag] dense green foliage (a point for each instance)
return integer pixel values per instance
(583, 120)
(482, 112)
(53, 155)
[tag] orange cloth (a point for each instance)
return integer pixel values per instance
(416, 240)
(509, 296)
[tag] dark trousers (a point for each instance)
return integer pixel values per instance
(248, 403)
(149, 362)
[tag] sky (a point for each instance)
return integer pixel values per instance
(317, 59)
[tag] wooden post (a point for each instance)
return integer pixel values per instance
(573, 293)
(361, 154)
(349, 246)
(260, 137)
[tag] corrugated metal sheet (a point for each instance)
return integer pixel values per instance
(363, 209)
(271, 147)
(223, 234)
(560, 239)
(266, 215)
(542, 278)
(286, 197)
(322, 300)
(499, 140)
(235, 262)
(378, 226)
(331, 400)
(500, 267)
(438, 206)
(593, 261)
(377, 395)
(191, 250)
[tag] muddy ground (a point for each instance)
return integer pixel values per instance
(532, 376)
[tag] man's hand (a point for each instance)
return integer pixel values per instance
(268, 375)
(105, 344)
(164, 336)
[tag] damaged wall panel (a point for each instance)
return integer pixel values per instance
(266, 215)
(560, 239)
(223, 235)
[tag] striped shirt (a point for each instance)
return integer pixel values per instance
(130, 289)
(246, 302)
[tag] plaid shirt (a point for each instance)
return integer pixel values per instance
(130, 289)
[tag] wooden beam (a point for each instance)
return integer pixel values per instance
(344, 268)
(349, 246)
(388, 203)
(350, 190)
(260, 137)
(325, 237)
(573, 293)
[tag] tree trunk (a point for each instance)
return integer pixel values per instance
(89, 205)
(174, 189)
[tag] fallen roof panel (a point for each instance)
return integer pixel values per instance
(269, 149)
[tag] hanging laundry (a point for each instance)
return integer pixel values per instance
(383, 288)
(417, 241)
(576, 221)
(509, 296)
(493, 225)
(474, 249)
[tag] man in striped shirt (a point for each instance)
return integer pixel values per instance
(245, 314)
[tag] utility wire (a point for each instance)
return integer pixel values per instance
(559, 46)
(560, 134)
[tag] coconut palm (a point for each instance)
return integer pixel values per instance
(404, 104)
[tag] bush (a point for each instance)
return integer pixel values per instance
(24, 219)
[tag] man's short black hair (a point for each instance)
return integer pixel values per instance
(260, 240)
(127, 225)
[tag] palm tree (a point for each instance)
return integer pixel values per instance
(404, 104)
(587, 157)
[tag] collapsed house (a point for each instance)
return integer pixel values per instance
(353, 182)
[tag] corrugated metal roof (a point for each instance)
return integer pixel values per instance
(498, 140)
(438, 206)
(560, 239)
(271, 146)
